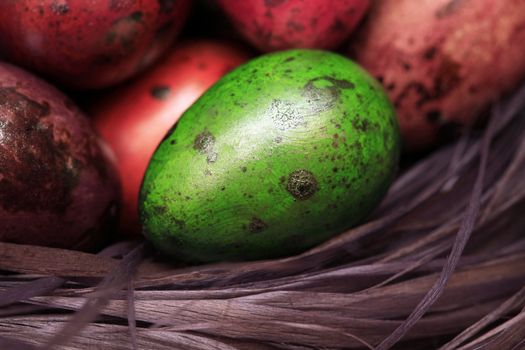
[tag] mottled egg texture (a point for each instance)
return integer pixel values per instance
(279, 155)
(88, 43)
(57, 185)
(284, 24)
(443, 62)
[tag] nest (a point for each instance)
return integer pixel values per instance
(441, 264)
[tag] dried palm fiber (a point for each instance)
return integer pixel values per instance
(440, 265)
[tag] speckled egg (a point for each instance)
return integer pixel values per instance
(58, 186)
(281, 154)
(88, 43)
(443, 63)
(272, 25)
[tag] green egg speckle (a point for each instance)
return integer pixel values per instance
(278, 156)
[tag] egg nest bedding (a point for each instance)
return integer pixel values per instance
(440, 265)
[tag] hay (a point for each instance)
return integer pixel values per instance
(441, 265)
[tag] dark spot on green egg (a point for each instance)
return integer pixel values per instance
(160, 92)
(256, 225)
(322, 97)
(160, 209)
(244, 169)
(204, 144)
(341, 83)
(240, 104)
(289, 59)
(302, 184)
(361, 124)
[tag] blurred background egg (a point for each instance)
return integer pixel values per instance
(273, 25)
(88, 44)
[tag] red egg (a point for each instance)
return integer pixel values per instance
(88, 43)
(135, 118)
(58, 186)
(283, 24)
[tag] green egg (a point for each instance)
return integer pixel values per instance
(281, 154)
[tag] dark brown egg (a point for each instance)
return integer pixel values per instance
(58, 186)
